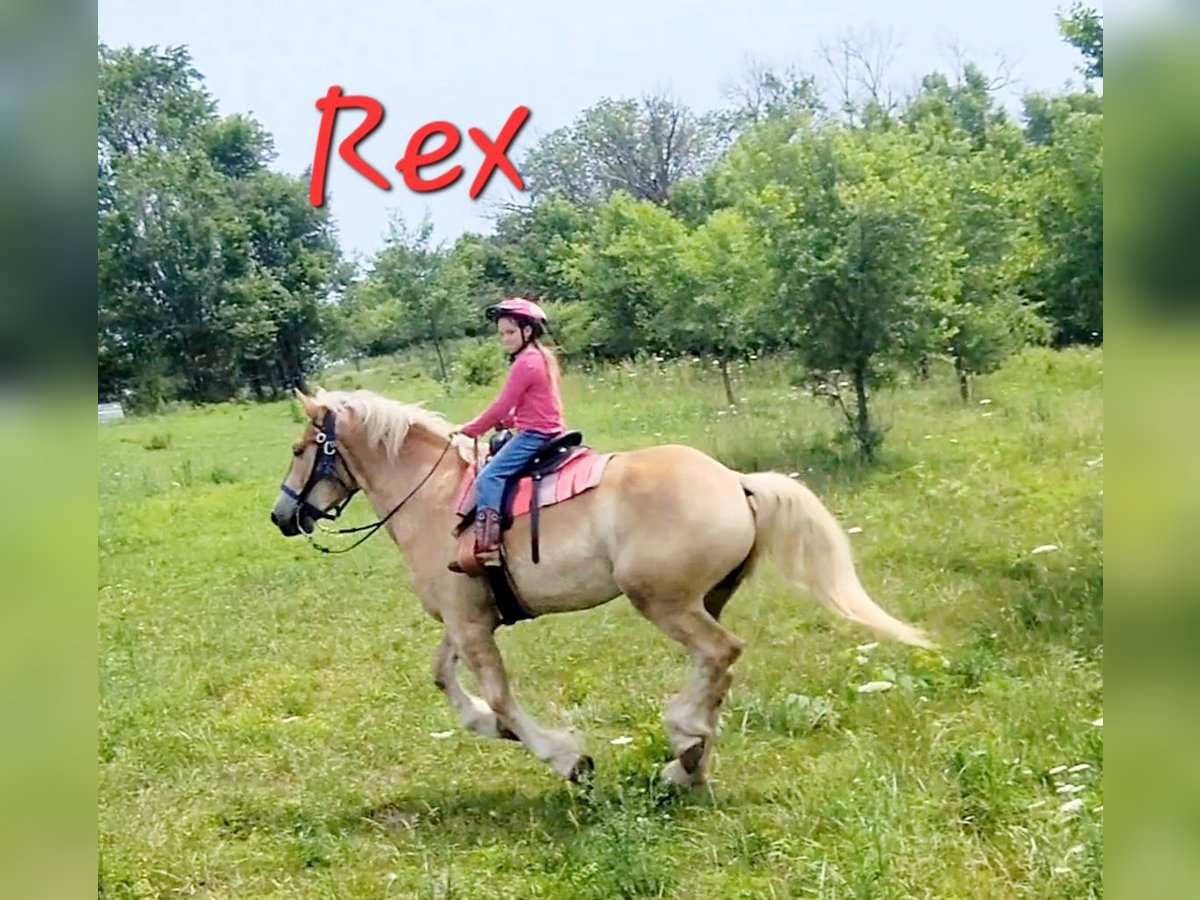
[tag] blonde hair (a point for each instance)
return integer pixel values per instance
(551, 359)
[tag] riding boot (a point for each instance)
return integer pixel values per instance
(487, 536)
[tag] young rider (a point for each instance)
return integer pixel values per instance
(529, 401)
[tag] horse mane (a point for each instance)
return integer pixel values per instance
(387, 422)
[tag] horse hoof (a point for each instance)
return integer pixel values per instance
(690, 758)
(673, 773)
(582, 770)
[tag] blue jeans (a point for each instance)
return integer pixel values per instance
(521, 447)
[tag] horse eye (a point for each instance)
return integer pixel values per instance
(297, 451)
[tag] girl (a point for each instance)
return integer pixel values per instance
(529, 402)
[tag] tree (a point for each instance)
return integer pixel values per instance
(627, 270)
(211, 268)
(861, 64)
(1067, 203)
(967, 105)
(295, 257)
(1083, 29)
(717, 312)
(1044, 114)
(992, 249)
(849, 220)
(987, 235)
(147, 99)
(416, 292)
(764, 93)
(534, 244)
(642, 147)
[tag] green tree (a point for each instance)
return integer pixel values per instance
(850, 219)
(211, 268)
(535, 247)
(727, 279)
(416, 292)
(628, 269)
(990, 242)
(1083, 29)
(1067, 203)
(1044, 114)
(966, 106)
(642, 147)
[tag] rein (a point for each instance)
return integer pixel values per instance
(324, 468)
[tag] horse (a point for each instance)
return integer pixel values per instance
(667, 526)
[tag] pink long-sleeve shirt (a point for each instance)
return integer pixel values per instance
(529, 399)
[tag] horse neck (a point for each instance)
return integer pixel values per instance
(387, 480)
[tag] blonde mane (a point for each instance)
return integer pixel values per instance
(387, 422)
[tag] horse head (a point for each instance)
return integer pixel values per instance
(318, 483)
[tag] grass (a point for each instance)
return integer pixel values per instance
(268, 719)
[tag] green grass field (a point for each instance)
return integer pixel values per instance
(269, 726)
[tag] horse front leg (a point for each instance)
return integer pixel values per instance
(562, 751)
(474, 714)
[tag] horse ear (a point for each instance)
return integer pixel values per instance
(312, 408)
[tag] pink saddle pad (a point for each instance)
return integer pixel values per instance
(580, 473)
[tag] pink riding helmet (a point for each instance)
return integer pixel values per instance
(517, 306)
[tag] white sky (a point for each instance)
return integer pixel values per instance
(472, 63)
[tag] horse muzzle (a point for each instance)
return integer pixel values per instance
(291, 517)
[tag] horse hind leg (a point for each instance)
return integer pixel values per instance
(715, 599)
(692, 716)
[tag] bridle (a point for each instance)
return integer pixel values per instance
(326, 467)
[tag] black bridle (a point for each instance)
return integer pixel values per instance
(326, 467)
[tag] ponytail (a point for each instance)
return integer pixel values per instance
(551, 360)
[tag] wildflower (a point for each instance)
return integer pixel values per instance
(875, 687)
(1043, 548)
(440, 735)
(622, 740)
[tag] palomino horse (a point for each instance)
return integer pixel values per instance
(669, 527)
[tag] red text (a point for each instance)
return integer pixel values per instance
(416, 157)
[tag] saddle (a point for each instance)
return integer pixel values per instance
(563, 469)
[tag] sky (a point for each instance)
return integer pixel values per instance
(473, 63)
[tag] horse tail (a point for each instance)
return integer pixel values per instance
(801, 536)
